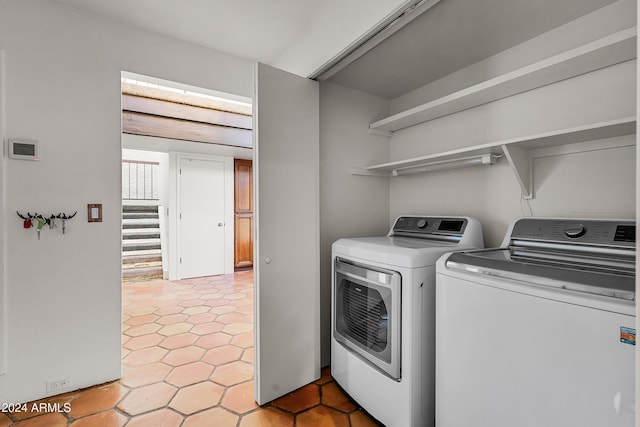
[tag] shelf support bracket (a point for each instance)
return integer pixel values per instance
(374, 131)
(522, 166)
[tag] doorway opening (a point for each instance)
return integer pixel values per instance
(187, 314)
(181, 145)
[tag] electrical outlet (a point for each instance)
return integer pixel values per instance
(56, 384)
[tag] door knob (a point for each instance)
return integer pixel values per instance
(220, 224)
(267, 260)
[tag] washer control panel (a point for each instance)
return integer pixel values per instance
(593, 232)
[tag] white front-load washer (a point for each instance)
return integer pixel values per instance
(541, 331)
(383, 315)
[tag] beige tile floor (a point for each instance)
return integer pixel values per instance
(188, 361)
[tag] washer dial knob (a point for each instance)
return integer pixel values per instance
(422, 223)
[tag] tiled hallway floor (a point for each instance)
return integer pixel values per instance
(188, 361)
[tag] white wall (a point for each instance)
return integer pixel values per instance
(584, 184)
(350, 206)
(165, 145)
(63, 71)
(3, 230)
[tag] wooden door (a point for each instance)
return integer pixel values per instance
(286, 261)
(243, 215)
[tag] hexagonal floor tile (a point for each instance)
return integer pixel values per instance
(191, 311)
(243, 340)
(232, 317)
(233, 373)
(147, 328)
(300, 399)
(210, 296)
(54, 419)
(175, 328)
(159, 418)
(267, 417)
(199, 318)
(145, 356)
(197, 397)
(217, 417)
(213, 340)
(322, 416)
(184, 355)
(189, 374)
(238, 328)
(172, 309)
(207, 328)
(109, 418)
(179, 340)
(223, 309)
(248, 355)
(171, 319)
(143, 341)
(333, 396)
(97, 399)
(221, 355)
(141, 320)
(360, 419)
(216, 302)
(147, 398)
(239, 398)
(136, 376)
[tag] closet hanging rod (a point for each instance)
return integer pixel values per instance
(460, 162)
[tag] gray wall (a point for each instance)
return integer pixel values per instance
(62, 88)
(350, 205)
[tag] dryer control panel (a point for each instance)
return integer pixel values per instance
(424, 226)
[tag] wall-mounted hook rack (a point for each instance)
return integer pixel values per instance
(42, 220)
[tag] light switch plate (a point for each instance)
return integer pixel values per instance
(94, 212)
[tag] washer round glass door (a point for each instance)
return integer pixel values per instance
(367, 314)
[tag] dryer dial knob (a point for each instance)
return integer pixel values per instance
(422, 223)
(575, 231)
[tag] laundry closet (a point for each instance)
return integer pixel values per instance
(496, 109)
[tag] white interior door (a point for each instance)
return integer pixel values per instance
(201, 217)
(286, 268)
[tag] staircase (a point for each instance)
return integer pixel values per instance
(141, 248)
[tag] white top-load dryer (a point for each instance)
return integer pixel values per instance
(540, 332)
(383, 312)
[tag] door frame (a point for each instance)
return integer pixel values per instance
(3, 290)
(174, 202)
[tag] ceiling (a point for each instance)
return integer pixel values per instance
(452, 35)
(301, 36)
(296, 35)
(254, 29)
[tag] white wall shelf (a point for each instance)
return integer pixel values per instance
(609, 50)
(517, 151)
